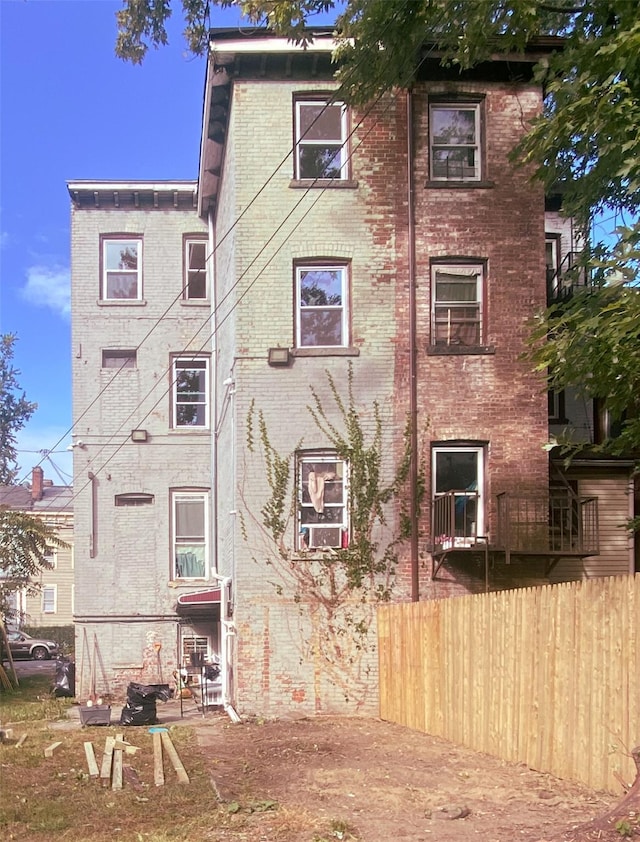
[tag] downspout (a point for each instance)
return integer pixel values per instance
(227, 627)
(413, 377)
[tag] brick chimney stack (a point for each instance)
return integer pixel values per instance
(37, 484)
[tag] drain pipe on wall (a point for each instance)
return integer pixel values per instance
(413, 363)
(227, 626)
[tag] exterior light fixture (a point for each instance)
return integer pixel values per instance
(278, 356)
(139, 435)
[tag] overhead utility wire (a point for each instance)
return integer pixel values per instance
(195, 353)
(320, 193)
(219, 243)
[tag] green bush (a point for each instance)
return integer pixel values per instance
(64, 636)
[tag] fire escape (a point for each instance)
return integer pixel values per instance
(558, 523)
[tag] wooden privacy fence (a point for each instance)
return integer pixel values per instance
(546, 676)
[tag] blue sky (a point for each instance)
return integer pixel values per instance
(71, 110)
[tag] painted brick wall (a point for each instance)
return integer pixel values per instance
(124, 598)
(490, 397)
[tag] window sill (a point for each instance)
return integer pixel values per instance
(337, 183)
(183, 430)
(457, 185)
(458, 350)
(121, 302)
(194, 302)
(325, 352)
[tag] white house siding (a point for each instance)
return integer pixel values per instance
(61, 576)
(124, 597)
(615, 507)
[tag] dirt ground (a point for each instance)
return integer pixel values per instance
(368, 780)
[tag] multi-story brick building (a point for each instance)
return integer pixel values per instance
(389, 253)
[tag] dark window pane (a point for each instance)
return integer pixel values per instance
(320, 327)
(320, 122)
(122, 286)
(320, 161)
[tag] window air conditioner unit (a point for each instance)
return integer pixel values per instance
(325, 536)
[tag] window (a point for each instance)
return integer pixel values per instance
(320, 134)
(189, 516)
(322, 494)
(121, 269)
(50, 556)
(455, 141)
(119, 359)
(190, 392)
(49, 599)
(133, 498)
(321, 293)
(195, 268)
(457, 304)
(458, 482)
(556, 412)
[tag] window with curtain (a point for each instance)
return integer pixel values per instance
(190, 519)
(457, 304)
(322, 506)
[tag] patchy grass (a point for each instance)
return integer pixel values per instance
(54, 797)
(43, 798)
(32, 700)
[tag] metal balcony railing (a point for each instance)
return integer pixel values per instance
(567, 278)
(556, 525)
(455, 520)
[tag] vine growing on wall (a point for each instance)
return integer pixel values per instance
(339, 587)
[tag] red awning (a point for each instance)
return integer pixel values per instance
(199, 602)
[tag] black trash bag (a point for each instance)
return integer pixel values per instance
(148, 692)
(142, 713)
(140, 707)
(64, 683)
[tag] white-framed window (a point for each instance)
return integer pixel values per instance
(49, 599)
(194, 285)
(454, 141)
(190, 518)
(121, 269)
(322, 312)
(119, 358)
(50, 556)
(190, 392)
(320, 139)
(457, 304)
(458, 475)
(322, 501)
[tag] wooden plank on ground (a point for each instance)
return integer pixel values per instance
(158, 770)
(107, 759)
(91, 760)
(20, 742)
(169, 747)
(116, 778)
(49, 750)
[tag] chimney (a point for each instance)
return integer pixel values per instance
(37, 484)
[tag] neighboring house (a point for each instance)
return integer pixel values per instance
(52, 604)
(394, 244)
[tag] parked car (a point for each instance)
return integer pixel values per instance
(22, 645)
